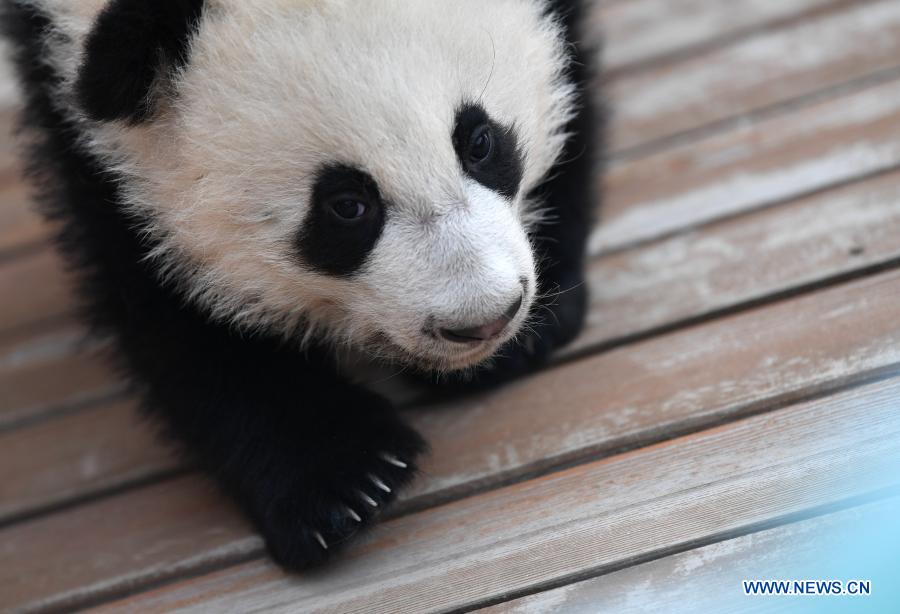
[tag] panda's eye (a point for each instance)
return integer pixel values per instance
(481, 145)
(349, 209)
(488, 151)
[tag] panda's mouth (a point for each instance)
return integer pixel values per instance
(451, 337)
(476, 335)
(462, 357)
(437, 354)
(457, 349)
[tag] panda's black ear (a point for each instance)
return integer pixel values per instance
(134, 44)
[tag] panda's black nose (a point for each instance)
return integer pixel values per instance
(485, 331)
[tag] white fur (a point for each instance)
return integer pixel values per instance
(275, 89)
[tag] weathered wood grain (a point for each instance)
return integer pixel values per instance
(749, 166)
(755, 73)
(164, 517)
(719, 267)
(638, 32)
(582, 520)
(738, 261)
(57, 369)
(629, 397)
(708, 579)
(97, 449)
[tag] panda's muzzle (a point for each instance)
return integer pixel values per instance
(490, 330)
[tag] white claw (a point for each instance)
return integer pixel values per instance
(380, 484)
(390, 458)
(368, 499)
(321, 540)
(354, 515)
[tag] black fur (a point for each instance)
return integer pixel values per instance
(334, 245)
(133, 45)
(295, 445)
(501, 171)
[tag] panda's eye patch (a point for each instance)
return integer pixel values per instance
(345, 219)
(488, 151)
(481, 145)
(349, 208)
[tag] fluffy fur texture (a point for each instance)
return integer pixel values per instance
(245, 186)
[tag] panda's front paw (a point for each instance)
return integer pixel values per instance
(339, 487)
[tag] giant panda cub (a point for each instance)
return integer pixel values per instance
(248, 190)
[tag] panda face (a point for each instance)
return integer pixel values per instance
(447, 275)
(355, 171)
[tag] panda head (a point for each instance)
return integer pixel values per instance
(355, 171)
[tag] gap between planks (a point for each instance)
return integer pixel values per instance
(755, 74)
(634, 42)
(753, 166)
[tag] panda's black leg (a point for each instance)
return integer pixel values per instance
(310, 458)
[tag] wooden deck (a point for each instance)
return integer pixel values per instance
(739, 373)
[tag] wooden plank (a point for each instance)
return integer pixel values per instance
(755, 73)
(737, 261)
(749, 166)
(709, 579)
(147, 526)
(20, 226)
(717, 268)
(10, 164)
(97, 449)
(637, 32)
(36, 291)
(40, 374)
(629, 397)
(581, 520)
